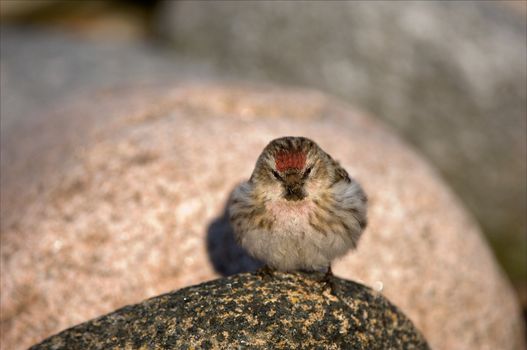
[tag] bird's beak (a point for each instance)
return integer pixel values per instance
(293, 186)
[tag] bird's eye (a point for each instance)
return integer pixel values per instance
(307, 172)
(276, 175)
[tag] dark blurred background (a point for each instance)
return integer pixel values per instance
(449, 77)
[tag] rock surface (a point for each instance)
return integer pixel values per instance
(449, 76)
(285, 311)
(33, 87)
(129, 203)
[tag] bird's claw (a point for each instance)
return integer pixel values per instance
(265, 272)
(329, 282)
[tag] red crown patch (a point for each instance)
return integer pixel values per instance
(289, 160)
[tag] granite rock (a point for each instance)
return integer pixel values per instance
(285, 311)
(130, 196)
(34, 88)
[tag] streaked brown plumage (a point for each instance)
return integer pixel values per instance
(300, 209)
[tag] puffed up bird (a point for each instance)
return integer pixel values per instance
(299, 210)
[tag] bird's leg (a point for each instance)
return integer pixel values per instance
(329, 281)
(328, 274)
(265, 272)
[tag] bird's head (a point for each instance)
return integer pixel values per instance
(292, 168)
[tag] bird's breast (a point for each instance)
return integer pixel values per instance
(290, 216)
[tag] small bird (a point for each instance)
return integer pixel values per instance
(299, 210)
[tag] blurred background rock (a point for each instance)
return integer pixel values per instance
(450, 77)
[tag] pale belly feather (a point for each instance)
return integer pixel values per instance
(292, 243)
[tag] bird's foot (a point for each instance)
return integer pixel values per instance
(265, 272)
(329, 282)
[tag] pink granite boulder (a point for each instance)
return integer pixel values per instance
(120, 196)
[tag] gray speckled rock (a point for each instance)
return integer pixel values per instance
(286, 311)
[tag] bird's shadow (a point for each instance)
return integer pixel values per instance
(227, 257)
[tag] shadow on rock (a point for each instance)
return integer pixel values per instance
(227, 257)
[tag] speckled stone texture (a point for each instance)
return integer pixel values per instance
(121, 194)
(282, 311)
